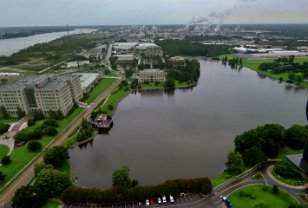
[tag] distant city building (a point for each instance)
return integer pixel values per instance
(151, 75)
(7, 77)
(154, 51)
(125, 59)
(76, 63)
(124, 46)
(88, 80)
(41, 92)
(178, 61)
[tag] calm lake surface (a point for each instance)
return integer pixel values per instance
(189, 133)
(10, 46)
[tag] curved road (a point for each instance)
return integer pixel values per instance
(28, 172)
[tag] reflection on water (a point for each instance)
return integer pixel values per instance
(187, 133)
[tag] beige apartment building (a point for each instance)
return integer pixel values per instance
(42, 92)
(151, 75)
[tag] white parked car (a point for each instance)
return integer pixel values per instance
(171, 199)
(164, 199)
(159, 200)
(147, 202)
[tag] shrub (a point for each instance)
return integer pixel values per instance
(2, 176)
(51, 122)
(55, 156)
(28, 196)
(110, 107)
(4, 128)
(31, 122)
(287, 169)
(50, 131)
(34, 146)
(6, 160)
(40, 166)
(275, 189)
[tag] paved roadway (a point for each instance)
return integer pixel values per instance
(28, 172)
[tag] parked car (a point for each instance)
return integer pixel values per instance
(171, 199)
(152, 202)
(164, 199)
(147, 202)
(159, 200)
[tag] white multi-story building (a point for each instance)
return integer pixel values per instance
(151, 75)
(42, 92)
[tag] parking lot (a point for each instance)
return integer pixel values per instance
(184, 199)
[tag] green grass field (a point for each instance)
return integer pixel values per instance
(51, 204)
(288, 151)
(21, 156)
(99, 88)
(113, 100)
(221, 178)
(4, 150)
(260, 196)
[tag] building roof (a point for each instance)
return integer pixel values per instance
(87, 79)
(126, 57)
(299, 161)
(9, 74)
(39, 82)
(151, 70)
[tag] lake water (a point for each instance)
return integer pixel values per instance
(10, 46)
(189, 133)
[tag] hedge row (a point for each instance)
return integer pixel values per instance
(77, 195)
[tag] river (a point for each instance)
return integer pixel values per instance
(10, 46)
(162, 136)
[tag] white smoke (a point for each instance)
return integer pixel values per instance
(216, 18)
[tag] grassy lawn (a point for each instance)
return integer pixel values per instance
(98, 89)
(113, 100)
(288, 151)
(4, 150)
(221, 178)
(181, 85)
(260, 194)
(51, 204)
(21, 156)
(152, 86)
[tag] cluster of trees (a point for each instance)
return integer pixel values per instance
(234, 63)
(49, 183)
(191, 48)
(4, 113)
(266, 141)
(47, 128)
(85, 131)
(190, 73)
(297, 71)
(77, 195)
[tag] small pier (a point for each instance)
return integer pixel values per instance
(102, 121)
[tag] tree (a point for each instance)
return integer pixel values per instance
(28, 196)
(51, 122)
(235, 164)
(38, 115)
(169, 84)
(81, 136)
(40, 166)
(296, 137)
(2, 176)
(50, 131)
(31, 122)
(291, 76)
(55, 156)
(299, 77)
(4, 113)
(6, 160)
(52, 182)
(20, 112)
(34, 146)
(254, 156)
(121, 178)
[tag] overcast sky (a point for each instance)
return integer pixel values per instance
(110, 12)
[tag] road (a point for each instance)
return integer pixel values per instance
(27, 174)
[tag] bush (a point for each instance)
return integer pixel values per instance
(4, 128)
(51, 122)
(28, 196)
(287, 169)
(110, 107)
(2, 176)
(31, 122)
(40, 166)
(275, 189)
(6, 160)
(34, 146)
(50, 131)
